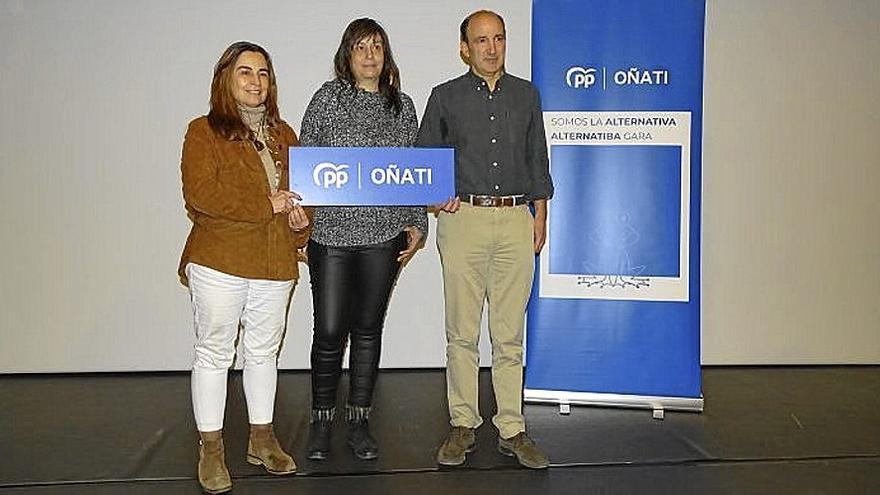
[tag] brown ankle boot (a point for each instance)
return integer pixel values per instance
(263, 449)
(213, 475)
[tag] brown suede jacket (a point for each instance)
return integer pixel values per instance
(227, 198)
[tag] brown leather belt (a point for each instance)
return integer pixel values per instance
(482, 200)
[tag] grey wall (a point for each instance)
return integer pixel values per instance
(791, 174)
(96, 96)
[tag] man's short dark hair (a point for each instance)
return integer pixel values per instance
(467, 20)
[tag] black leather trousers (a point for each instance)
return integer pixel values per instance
(351, 286)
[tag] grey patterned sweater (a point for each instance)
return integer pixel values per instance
(340, 115)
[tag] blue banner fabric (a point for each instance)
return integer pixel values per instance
(372, 176)
(615, 306)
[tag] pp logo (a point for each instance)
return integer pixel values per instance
(580, 77)
(328, 175)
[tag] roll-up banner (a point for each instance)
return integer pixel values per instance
(614, 317)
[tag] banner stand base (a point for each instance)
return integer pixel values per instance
(655, 403)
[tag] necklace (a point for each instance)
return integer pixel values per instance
(268, 142)
(264, 143)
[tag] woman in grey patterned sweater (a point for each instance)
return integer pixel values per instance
(355, 253)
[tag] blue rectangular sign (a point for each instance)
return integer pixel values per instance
(372, 176)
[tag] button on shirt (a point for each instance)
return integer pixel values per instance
(498, 136)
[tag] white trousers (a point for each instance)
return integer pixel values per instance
(221, 304)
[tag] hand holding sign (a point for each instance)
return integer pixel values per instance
(297, 218)
(450, 206)
(282, 201)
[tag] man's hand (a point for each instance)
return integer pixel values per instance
(450, 206)
(540, 235)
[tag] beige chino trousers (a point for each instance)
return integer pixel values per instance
(487, 254)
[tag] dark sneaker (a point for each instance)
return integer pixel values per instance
(524, 449)
(458, 444)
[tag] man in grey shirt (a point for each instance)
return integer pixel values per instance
(487, 235)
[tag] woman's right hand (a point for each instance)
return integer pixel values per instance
(297, 218)
(282, 201)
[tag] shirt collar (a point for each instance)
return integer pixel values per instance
(478, 83)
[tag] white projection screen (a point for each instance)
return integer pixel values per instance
(96, 96)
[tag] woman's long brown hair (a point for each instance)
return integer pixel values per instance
(224, 117)
(389, 79)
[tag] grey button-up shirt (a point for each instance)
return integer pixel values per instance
(498, 136)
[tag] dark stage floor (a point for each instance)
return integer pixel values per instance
(764, 430)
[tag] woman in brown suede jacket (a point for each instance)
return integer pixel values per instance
(240, 258)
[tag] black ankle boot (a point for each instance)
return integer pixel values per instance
(361, 442)
(320, 429)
